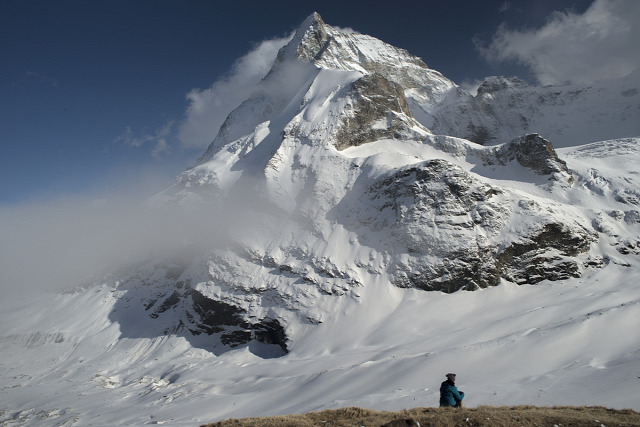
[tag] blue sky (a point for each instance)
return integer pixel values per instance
(93, 94)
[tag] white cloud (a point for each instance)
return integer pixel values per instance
(74, 240)
(58, 243)
(128, 138)
(505, 6)
(158, 138)
(346, 30)
(471, 86)
(600, 44)
(161, 147)
(209, 108)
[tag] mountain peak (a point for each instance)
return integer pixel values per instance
(313, 20)
(327, 47)
(312, 28)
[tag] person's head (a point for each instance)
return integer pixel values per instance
(451, 377)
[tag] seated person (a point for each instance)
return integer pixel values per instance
(449, 394)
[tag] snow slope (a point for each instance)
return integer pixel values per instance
(506, 107)
(567, 343)
(323, 211)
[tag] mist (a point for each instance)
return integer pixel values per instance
(70, 241)
(67, 241)
(208, 108)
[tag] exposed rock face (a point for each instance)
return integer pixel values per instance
(326, 47)
(545, 255)
(534, 152)
(449, 223)
(178, 308)
(215, 316)
(379, 111)
(437, 206)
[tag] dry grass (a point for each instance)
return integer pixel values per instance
(562, 416)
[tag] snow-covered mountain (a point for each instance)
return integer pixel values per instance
(365, 226)
(506, 107)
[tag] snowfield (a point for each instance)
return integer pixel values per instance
(567, 343)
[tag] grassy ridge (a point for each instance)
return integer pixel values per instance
(562, 416)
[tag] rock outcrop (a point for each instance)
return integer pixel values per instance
(379, 111)
(446, 227)
(535, 153)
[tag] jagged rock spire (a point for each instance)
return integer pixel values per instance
(313, 20)
(313, 27)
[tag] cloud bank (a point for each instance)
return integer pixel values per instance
(68, 241)
(72, 241)
(600, 44)
(208, 108)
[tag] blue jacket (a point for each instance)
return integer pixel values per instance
(449, 394)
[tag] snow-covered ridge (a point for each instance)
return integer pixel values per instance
(506, 108)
